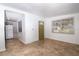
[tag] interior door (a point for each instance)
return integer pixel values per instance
(41, 31)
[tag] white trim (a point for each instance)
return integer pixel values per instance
(23, 41)
(2, 50)
(64, 41)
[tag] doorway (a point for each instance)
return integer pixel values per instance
(12, 33)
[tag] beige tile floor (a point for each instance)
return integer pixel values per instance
(49, 48)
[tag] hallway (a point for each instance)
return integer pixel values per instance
(50, 48)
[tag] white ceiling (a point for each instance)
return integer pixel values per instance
(14, 16)
(46, 9)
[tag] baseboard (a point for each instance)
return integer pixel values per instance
(63, 41)
(32, 41)
(2, 50)
(23, 41)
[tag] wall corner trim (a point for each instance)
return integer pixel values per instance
(3, 50)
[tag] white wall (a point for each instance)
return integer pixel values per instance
(71, 38)
(31, 27)
(2, 36)
(21, 35)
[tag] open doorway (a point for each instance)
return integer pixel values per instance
(13, 27)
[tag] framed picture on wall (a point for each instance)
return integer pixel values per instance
(63, 26)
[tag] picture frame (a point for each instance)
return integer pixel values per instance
(63, 26)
